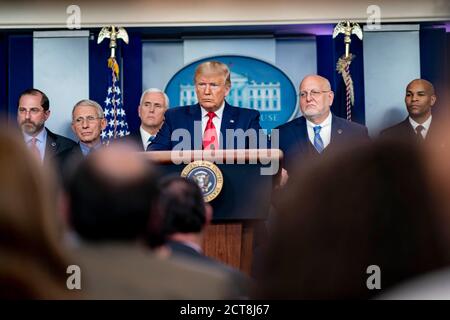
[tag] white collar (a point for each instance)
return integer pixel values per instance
(144, 134)
(426, 124)
(40, 137)
(218, 113)
(325, 123)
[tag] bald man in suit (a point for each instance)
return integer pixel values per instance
(420, 98)
(318, 131)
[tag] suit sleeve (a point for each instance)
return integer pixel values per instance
(263, 139)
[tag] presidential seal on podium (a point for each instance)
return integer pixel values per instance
(207, 176)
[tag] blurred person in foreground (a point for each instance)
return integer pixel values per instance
(435, 285)
(33, 262)
(346, 212)
(112, 206)
(185, 218)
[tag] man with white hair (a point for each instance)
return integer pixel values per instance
(153, 104)
(88, 121)
(318, 130)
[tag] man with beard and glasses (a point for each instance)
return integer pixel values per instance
(33, 111)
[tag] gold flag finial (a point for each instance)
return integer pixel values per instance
(113, 33)
(347, 28)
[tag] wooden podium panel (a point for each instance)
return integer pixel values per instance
(230, 243)
(243, 202)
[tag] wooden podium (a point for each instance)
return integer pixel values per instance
(243, 203)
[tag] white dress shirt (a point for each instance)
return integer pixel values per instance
(145, 136)
(425, 125)
(325, 132)
(217, 120)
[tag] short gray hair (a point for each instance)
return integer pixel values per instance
(166, 98)
(91, 103)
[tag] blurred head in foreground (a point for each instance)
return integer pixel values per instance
(112, 196)
(33, 263)
(341, 214)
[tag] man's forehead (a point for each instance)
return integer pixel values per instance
(84, 109)
(149, 96)
(313, 82)
(210, 76)
(418, 86)
(36, 99)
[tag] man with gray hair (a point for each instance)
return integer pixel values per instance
(152, 107)
(88, 122)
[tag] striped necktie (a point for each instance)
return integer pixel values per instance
(318, 143)
(150, 140)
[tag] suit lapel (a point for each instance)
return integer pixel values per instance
(301, 133)
(430, 131)
(337, 130)
(229, 120)
(195, 114)
(51, 146)
(407, 129)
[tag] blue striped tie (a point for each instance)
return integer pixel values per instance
(318, 143)
(150, 140)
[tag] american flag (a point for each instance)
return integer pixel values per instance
(115, 116)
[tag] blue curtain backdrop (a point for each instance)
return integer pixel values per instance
(16, 69)
(20, 69)
(329, 50)
(435, 61)
(3, 76)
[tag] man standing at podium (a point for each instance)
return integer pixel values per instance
(211, 123)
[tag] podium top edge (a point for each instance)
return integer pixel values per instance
(220, 155)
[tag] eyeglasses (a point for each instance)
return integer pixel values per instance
(33, 111)
(313, 93)
(213, 86)
(80, 120)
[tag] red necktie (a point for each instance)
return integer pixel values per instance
(210, 139)
(34, 149)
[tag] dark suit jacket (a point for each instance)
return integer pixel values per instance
(184, 118)
(56, 146)
(403, 131)
(295, 144)
(56, 149)
(240, 281)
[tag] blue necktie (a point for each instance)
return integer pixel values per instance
(150, 140)
(318, 143)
